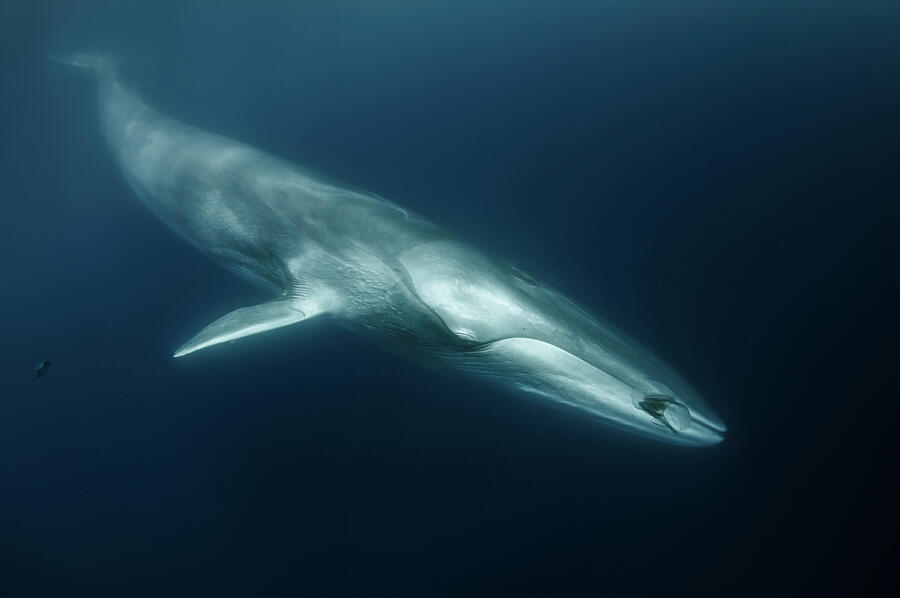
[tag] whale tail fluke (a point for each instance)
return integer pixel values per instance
(98, 63)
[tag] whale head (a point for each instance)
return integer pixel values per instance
(671, 412)
(523, 336)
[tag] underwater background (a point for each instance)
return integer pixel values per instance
(721, 179)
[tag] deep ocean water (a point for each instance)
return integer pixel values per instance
(720, 179)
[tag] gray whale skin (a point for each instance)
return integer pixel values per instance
(327, 250)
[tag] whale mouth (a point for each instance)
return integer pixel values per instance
(704, 434)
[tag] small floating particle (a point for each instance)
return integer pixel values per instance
(41, 368)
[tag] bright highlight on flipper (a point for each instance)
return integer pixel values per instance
(248, 321)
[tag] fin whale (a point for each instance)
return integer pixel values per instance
(329, 250)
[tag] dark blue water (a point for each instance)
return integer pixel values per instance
(721, 179)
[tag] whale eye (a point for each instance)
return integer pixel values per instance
(670, 412)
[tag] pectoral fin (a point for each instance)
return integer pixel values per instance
(251, 320)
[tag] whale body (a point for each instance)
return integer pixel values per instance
(328, 250)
